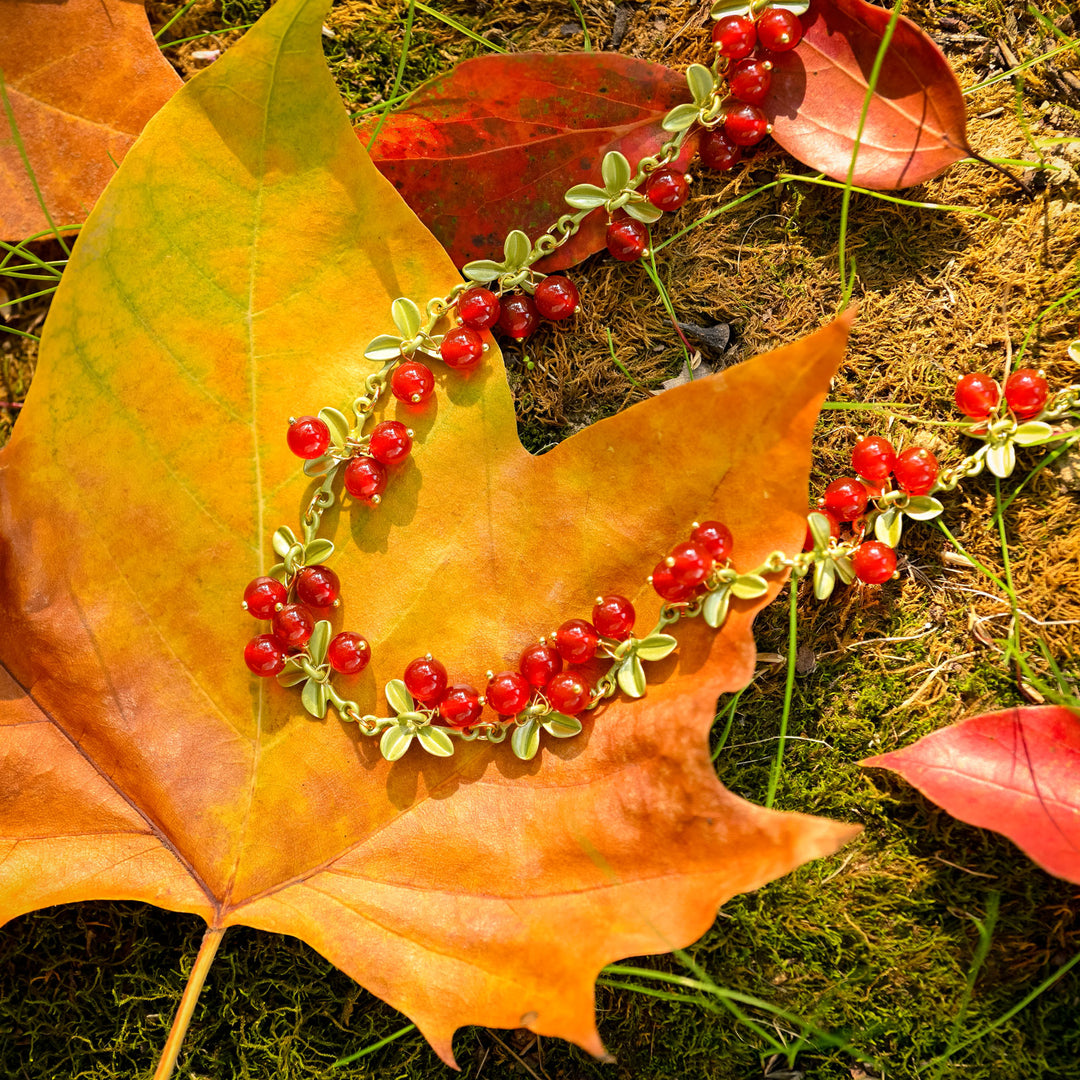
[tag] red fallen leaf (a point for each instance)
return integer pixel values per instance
(83, 78)
(916, 124)
(494, 144)
(1016, 772)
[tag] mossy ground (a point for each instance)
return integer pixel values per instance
(874, 944)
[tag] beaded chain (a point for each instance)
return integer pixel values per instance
(548, 692)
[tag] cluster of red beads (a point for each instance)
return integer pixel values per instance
(1026, 393)
(516, 316)
(540, 670)
(292, 623)
(874, 460)
(749, 77)
(678, 577)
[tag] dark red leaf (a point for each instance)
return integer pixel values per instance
(915, 127)
(1016, 772)
(494, 144)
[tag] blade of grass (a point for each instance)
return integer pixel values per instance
(581, 19)
(373, 1047)
(382, 105)
(729, 713)
(209, 33)
(18, 333)
(974, 562)
(33, 296)
(618, 363)
(706, 218)
(1022, 67)
(822, 182)
(1048, 460)
(1038, 320)
(789, 688)
(179, 15)
(654, 277)
(459, 27)
(400, 74)
(19, 145)
(848, 284)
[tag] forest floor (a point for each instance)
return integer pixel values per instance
(877, 945)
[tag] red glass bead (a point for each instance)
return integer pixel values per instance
(460, 706)
(317, 586)
(308, 437)
(508, 693)
(717, 151)
(690, 563)
(462, 349)
(872, 457)
(834, 528)
(1026, 392)
(293, 625)
(749, 80)
(348, 652)
(478, 308)
(263, 595)
(556, 298)
(667, 189)
(365, 478)
(390, 442)
(745, 124)
(519, 317)
(539, 662)
(665, 584)
(264, 655)
(916, 470)
(426, 679)
(613, 616)
(627, 240)
(976, 395)
(577, 641)
(874, 562)
(715, 537)
(412, 382)
(568, 693)
(734, 36)
(845, 499)
(779, 30)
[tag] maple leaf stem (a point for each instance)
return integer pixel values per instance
(186, 1009)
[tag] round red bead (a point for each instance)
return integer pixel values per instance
(667, 189)
(478, 308)
(613, 616)
(508, 693)
(462, 349)
(691, 563)
(915, 470)
(745, 124)
(539, 662)
(426, 679)
(846, 498)
(663, 581)
(874, 562)
(976, 395)
(873, 457)
(568, 693)
(318, 586)
(519, 317)
(627, 240)
(556, 298)
(293, 625)
(365, 478)
(577, 641)
(460, 706)
(263, 595)
(1026, 392)
(348, 652)
(734, 36)
(412, 382)
(715, 537)
(390, 442)
(717, 151)
(779, 30)
(750, 79)
(308, 437)
(264, 655)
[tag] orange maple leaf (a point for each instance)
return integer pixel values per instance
(230, 277)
